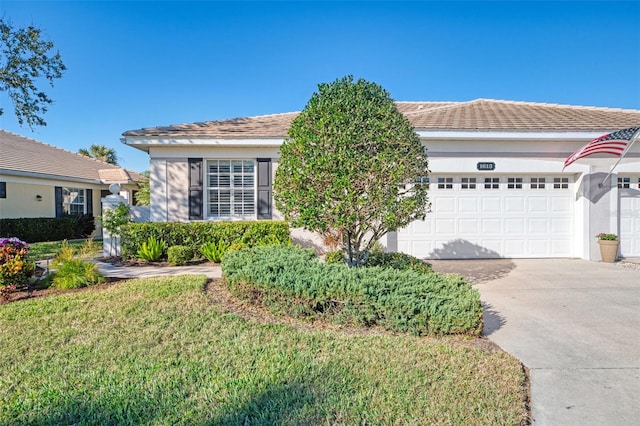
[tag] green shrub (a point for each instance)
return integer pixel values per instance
(292, 280)
(213, 252)
(399, 261)
(336, 256)
(236, 246)
(195, 234)
(76, 273)
(71, 272)
(179, 255)
(36, 229)
(152, 249)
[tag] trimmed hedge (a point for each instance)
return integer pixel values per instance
(399, 261)
(179, 255)
(292, 280)
(37, 229)
(195, 234)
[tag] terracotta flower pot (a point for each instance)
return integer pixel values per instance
(608, 250)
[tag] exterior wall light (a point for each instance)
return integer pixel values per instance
(38, 197)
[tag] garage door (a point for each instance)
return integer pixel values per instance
(486, 216)
(629, 191)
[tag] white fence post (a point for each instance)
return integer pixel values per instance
(111, 243)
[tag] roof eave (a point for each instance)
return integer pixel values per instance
(503, 135)
(144, 143)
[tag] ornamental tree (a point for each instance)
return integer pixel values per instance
(24, 60)
(350, 167)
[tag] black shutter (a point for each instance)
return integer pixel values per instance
(89, 201)
(264, 188)
(195, 189)
(3, 189)
(58, 200)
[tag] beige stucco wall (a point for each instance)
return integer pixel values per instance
(21, 198)
(21, 201)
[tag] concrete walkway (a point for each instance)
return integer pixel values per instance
(108, 270)
(575, 324)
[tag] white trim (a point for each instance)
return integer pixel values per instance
(140, 143)
(498, 135)
(55, 177)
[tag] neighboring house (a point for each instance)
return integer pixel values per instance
(497, 185)
(40, 180)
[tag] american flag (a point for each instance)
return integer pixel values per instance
(614, 143)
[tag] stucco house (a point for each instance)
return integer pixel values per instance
(497, 184)
(40, 180)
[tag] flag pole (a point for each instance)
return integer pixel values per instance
(633, 139)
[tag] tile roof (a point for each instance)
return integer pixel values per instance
(21, 154)
(476, 115)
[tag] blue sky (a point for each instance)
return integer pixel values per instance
(142, 64)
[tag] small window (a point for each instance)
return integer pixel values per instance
(492, 183)
(445, 183)
(624, 182)
(468, 183)
(514, 183)
(74, 201)
(3, 189)
(560, 183)
(537, 183)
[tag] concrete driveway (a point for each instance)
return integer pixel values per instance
(575, 324)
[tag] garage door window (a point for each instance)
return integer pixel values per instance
(624, 182)
(514, 183)
(492, 183)
(445, 183)
(560, 183)
(537, 183)
(468, 183)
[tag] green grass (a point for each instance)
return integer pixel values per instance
(158, 351)
(48, 250)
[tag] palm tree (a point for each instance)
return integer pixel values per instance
(101, 153)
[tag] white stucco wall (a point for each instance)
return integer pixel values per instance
(595, 209)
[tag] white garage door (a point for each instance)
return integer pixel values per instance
(485, 216)
(629, 190)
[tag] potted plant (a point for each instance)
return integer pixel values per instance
(608, 247)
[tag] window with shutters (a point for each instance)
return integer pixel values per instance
(74, 201)
(231, 189)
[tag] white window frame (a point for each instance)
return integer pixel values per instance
(491, 183)
(445, 183)
(560, 183)
(514, 183)
(233, 190)
(467, 183)
(624, 182)
(538, 182)
(70, 198)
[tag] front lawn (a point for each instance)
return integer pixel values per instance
(160, 351)
(49, 249)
